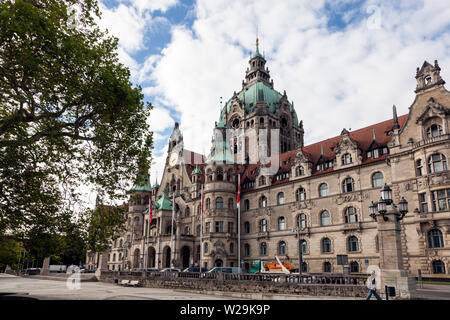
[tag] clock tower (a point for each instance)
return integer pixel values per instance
(176, 149)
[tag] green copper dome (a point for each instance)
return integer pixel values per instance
(145, 187)
(196, 171)
(221, 153)
(253, 94)
(163, 203)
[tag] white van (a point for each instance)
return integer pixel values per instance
(225, 269)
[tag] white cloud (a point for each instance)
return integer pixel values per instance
(348, 78)
(160, 119)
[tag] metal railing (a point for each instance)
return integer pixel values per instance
(332, 279)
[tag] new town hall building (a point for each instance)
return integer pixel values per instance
(325, 188)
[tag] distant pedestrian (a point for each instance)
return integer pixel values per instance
(372, 285)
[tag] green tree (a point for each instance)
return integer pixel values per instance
(69, 114)
(11, 253)
(105, 224)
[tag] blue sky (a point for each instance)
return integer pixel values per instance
(343, 63)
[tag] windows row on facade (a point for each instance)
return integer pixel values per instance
(348, 185)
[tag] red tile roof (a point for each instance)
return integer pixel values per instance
(363, 138)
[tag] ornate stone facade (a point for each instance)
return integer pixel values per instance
(327, 186)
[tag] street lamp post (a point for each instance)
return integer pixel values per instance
(388, 216)
(381, 208)
(300, 253)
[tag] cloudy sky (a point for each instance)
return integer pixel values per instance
(343, 63)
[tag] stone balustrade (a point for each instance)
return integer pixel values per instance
(311, 284)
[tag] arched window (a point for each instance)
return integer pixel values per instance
(326, 266)
(262, 225)
(205, 247)
(187, 231)
(246, 227)
(263, 249)
(299, 171)
(323, 190)
(282, 247)
(232, 247)
(230, 203)
(437, 163)
(188, 211)
(208, 203)
(219, 203)
(246, 205)
(120, 243)
(346, 159)
(348, 185)
(353, 245)
(304, 246)
(262, 181)
(281, 223)
(326, 245)
(246, 249)
(434, 130)
(354, 267)
(262, 202)
(300, 194)
(377, 180)
(350, 215)
(301, 221)
(325, 218)
(280, 198)
(438, 266)
(219, 176)
(199, 209)
(435, 239)
(419, 168)
(114, 257)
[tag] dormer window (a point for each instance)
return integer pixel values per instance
(377, 152)
(282, 176)
(299, 171)
(324, 165)
(434, 131)
(346, 159)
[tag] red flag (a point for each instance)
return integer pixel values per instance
(239, 189)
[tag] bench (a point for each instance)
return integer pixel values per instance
(124, 282)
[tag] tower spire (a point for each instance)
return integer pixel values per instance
(394, 113)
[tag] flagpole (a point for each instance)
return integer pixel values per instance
(201, 231)
(171, 237)
(239, 222)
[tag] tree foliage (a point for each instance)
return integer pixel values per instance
(105, 224)
(69, 114)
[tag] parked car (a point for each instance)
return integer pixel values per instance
(170, 270)
(149, 270)
(225, 269)
(33, 271)
(195, 269)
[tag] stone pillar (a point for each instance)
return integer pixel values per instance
(45, 266)
(391, 258)
(103, 264)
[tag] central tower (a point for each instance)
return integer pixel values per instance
(259, 106)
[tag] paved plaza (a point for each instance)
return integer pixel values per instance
(29, 287)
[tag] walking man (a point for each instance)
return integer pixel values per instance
(372, 285)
